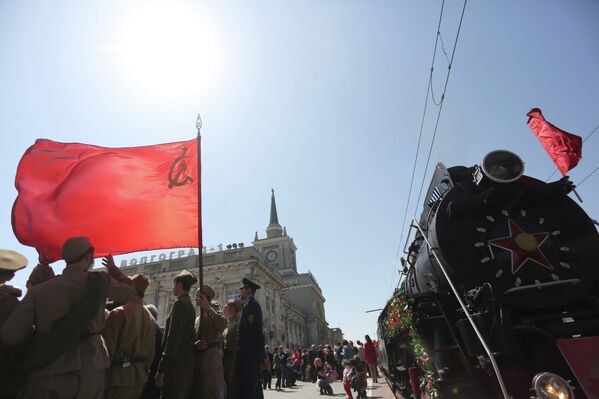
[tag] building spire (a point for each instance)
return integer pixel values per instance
(274, 219)
(274, 229)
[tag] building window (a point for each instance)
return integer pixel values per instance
(232, 294)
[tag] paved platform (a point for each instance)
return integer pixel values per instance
(306, 390)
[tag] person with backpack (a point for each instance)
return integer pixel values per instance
(358, 381)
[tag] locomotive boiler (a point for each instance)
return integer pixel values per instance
(502, 282)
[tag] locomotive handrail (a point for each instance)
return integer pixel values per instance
(467, 313)
(539, 286)
(408, 238)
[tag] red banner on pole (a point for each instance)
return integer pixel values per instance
(565, 149)
(123, 199)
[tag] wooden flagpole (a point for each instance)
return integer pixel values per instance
(200, 257)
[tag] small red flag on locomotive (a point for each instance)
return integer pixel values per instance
(565, 149)
(123, 199)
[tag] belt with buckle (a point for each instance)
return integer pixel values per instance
(210, 345)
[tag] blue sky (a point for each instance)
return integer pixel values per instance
(321, 101)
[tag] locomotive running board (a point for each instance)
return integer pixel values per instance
(466, 312)
(572, 281)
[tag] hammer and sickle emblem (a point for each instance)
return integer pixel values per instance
(178, 168)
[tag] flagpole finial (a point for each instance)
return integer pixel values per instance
(199, 123)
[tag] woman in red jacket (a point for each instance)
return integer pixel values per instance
(370, 358)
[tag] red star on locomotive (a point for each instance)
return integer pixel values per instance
(523, 246)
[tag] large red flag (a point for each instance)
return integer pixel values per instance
(123, 199)
(565, 149)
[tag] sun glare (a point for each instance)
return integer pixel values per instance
(170, 49)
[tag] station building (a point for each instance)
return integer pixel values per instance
(292, 302)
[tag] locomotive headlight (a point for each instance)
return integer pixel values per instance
(551, 386)
(502, 166)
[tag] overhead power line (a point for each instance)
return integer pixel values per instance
(428, 89)
(429, 92)
(587, 176)
(430, 150)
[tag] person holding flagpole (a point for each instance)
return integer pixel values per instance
(209, 377)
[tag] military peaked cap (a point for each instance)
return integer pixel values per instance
(208, 291)
(11, 260)
(75, 247)
(250, 284)
(140, 282)
(188, 276)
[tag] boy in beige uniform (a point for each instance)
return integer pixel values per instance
(231, 313)
(209, 381)
(129, 336)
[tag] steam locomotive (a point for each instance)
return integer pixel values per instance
(502, 281)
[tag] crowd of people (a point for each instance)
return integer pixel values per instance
(87, 334)
(322, 365)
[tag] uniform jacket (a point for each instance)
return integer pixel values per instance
(11, 379)
(230, 340)
(48, 303)
(178, 336)
(212, 323)
(250, 336)
(129, 335)
(8, 301)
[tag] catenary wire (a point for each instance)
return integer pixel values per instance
(438, 103)
(443, 47)
(428, 90)
(587, 176)
(403, 223)
(430, 150)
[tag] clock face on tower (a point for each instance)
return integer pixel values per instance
(271, 255)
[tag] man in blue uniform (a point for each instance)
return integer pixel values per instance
(250, 343)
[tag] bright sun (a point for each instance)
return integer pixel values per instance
(169, 49)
